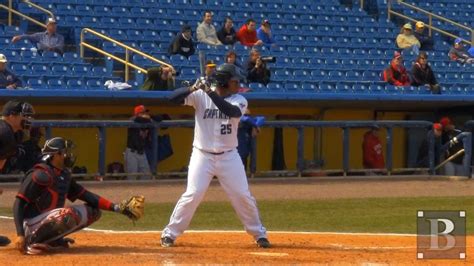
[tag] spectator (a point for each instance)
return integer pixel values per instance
(426, 42)
(453, 167)
(160, 79)
(210, 70)
(135, 158)
(48, 40)
(396, 73)
(183, 42)
(8, 80)
(422, 158)
(257, 70)
(422, 74)
(227, 33)
(406, 39)
(372, 150)
(264, 33)
(206, 33)
(247, 34)
(231, 58)
(458, 53)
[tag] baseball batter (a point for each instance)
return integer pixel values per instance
(217, 113)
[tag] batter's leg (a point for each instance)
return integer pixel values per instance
(200, 173)
(231, 175)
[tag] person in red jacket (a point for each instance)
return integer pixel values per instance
(372, 149)
(247, 34)
(396, 74)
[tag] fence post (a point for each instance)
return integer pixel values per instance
(467, 143)
(300, 151)
(102, 141)
(431, 152)
(345, 150)
(253, 156)
(154, 147)
(389, 150)
(48, 132)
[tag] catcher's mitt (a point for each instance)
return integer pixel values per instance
(133, 207)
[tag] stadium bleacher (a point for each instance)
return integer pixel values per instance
(322, 47)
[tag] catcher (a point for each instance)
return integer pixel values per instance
(42, 221)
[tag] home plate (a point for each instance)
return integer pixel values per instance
(269, 254)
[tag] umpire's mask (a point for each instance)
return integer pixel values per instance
(61, 146)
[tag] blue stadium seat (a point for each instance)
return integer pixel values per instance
(292, 87)
(326, 88)
(309, 87)
(40, 69)
(35, 83)
(257, 87)
(75, 84)
(376, 88)
(80, 70)
(343, 88)
(60, 70)
(98, 71)
(20, 69)
(94, 84)
(275, 87)
(56, 84)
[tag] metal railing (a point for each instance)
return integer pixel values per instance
(345, 126)
(430, 20)
(12, 11)
(128, 49)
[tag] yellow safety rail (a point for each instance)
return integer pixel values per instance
(127, 48)
(12, 11)
(430, 20)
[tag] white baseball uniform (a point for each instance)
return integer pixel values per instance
(215, 154)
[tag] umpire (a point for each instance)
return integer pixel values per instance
(16, 116)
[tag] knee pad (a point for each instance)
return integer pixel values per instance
(62, 222)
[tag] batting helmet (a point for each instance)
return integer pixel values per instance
(227, 72)
(59, 145)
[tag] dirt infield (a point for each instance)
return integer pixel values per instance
(94, 248)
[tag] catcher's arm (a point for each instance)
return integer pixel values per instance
(132, 207)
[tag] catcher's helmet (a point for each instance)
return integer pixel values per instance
(227, 72)
(59, 145)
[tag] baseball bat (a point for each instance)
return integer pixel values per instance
(449, 159)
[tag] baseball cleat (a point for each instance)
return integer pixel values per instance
(263, 243)
(4, 241)
(37, 248)
(167, 242)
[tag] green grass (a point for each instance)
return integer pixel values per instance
(390, 215)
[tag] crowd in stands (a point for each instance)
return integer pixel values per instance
(255, 69)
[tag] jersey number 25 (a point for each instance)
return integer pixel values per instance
(226, 129)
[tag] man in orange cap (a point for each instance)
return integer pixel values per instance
(135, 157)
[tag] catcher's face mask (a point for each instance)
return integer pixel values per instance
(69, 157)
(26, 113)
